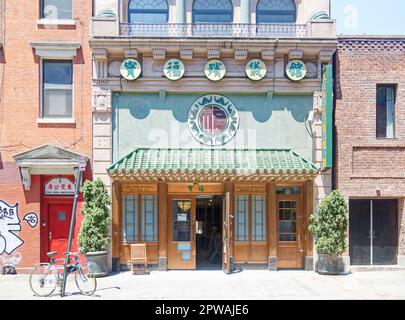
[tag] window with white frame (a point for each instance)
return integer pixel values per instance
(148, 11)
(57, 88)
(276, 11)
(212, 11)
(56, 9)
(385, 111)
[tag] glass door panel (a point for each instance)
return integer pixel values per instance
(181, 220)
(181, 246)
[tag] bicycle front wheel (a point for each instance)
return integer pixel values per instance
(86, 282)
(43, 280)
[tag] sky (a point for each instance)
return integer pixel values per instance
(373, 17)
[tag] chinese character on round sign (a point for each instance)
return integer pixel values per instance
(174, 69)
(215, 70)
(296, 70)
(256, 69)
(131, 69)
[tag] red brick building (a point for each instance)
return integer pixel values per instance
(370, 146)
(45, 124)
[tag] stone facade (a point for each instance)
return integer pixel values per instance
(111, 44)
(366, 166)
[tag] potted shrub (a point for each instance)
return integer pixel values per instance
(329, 226)
(94, 233)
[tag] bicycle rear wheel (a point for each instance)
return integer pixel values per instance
(43, 280)
(86, 282)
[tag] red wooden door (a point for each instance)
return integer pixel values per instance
(59, 216)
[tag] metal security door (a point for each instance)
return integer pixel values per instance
(385, 232)
(359, 232)
(227, 236)
(373, 232)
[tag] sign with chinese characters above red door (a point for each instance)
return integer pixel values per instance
(59, 186)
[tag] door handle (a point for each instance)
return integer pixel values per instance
(50, 235)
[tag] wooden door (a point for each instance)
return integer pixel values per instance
(181, 229)
(289, 232)
(59, 216)
(227, 229)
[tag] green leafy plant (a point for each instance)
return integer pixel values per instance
(329, 225)
(94, 235)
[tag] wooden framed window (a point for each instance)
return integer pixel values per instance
(139, 218)
(258, 218)
(287, 220)
(250, 218)
(241, 218)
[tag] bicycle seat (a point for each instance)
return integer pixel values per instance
(51, 254)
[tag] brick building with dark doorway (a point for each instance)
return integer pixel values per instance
(45, 125)
(369, 163)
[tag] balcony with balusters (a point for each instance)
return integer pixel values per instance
(214, 19)
(213, 30)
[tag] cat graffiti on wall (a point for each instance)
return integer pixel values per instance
(9, 224)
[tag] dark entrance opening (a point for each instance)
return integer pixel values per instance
(209, 232)
(373, 235)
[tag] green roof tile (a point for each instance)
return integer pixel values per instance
(241, 161)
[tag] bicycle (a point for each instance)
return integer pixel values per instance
(46, 277)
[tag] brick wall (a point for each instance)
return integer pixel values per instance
(20, 106)
(363, 162)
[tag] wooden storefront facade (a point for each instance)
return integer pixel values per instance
(265, 242)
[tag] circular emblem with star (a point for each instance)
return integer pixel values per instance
(213, 120)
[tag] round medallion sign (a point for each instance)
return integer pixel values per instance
(215, 70)
(131, 69)
(174, 69)
(256, 69)
(213, 120)
(296, 70)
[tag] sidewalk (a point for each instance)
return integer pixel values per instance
(214, 285)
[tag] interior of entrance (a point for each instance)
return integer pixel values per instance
(209, 232)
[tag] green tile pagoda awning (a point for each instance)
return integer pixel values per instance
(212, 164)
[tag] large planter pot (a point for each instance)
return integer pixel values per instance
(97, 263)
(333, 265)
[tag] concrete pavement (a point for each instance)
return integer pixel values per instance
(214, 285)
